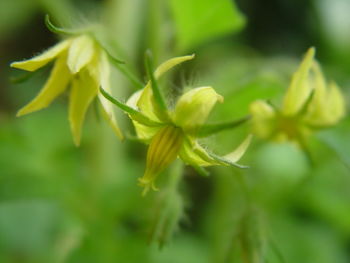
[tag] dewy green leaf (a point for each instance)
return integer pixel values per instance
(198, 21)
(138, 116)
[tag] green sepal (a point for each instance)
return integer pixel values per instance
(135, 114)
(223, 160)
(201, 170)
(209, 129)
(110, 56)
(158, 96)
(63, 31)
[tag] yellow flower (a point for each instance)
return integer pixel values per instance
(309, 104)
(81, 64)
(173, 132)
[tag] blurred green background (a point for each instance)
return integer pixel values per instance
(59, 203)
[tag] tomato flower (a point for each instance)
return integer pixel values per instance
(81, 64)
(310, 104)
(173, 132)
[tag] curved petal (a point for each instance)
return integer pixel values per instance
(193, 107)
(237, 154)
(55, 85)
(163, 150)
(336, 107)
(299, 89)
(84, 90)
(80, 53)
(263, 118)
(143, 132)
(147, 105)
(170, 63)
(42, 59)
(194, 154)
(104, 81)
(327, 107)
(146, 102)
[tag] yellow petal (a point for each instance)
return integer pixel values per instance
(146, 101)
(169, 64)
(80, 53)
(194, 154)
(41, 60)
(83, 91)
(327, 105)
(263, 118)
(299, 89)
(193, 107)
(336, 107)
(237, 154)
(147, 105)
(104, 81)
(55, 85)
(163, 150)
(143, 132)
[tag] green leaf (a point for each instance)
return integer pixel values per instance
(198, 21)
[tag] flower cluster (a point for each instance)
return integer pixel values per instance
(82, 65)
(310, 104)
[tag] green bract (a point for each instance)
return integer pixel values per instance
(81, 64)
(309, 104)
(172, 132)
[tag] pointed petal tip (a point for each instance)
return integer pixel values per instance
(22, 65)
(312, 49)
(237, 154)
(14, 64)
(76, 138)
(76, 142)
(147, 186)
(310, 53)
(20, 113)
(26, 110)
(220, 98)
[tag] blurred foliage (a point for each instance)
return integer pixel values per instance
(59, 203)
